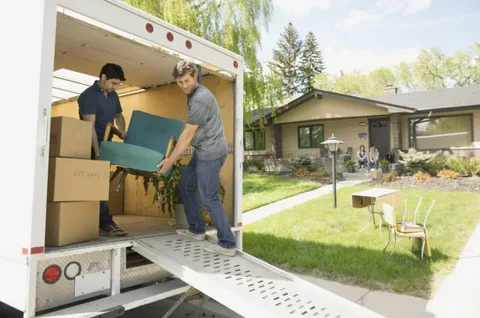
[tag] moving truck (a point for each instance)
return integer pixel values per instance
(47, 41)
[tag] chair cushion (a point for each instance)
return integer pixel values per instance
(130, 156)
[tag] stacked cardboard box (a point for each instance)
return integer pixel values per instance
(76, 184)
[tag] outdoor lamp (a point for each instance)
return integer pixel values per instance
(332, 144)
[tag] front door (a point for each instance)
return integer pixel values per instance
(380, 135)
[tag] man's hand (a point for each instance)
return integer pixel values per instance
(164, 165)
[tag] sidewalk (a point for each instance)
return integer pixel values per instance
(273, 208)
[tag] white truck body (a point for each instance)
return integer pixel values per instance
(52, 32)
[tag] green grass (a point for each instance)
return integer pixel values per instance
(318, 240)
(259, 190)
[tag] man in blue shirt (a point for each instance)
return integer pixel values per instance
(204, 130)
(100, 105)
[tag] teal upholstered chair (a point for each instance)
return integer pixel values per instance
(150, 139)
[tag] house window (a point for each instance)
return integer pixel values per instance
(441, 132)
(310, 136)
(254, 140)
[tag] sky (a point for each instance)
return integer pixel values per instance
(365, 34)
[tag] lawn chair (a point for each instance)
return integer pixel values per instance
(405, 229)
(150, 139)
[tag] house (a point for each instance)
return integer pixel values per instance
(444, 119)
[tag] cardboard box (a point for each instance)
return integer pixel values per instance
(115, 203)
(70, 138)
(71, 222)
(78, 180)
(376, 174)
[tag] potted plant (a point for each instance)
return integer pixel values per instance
(384, 165)
(350, 164)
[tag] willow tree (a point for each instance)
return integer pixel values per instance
(232, 24)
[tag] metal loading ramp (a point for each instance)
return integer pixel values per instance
(244, 284)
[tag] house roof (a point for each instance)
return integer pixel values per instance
(318, 93)
(437, 99)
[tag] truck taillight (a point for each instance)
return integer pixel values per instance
(149, 27)
(52, 274)
(188, 44)
(170, 36)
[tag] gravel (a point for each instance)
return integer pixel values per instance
(468, 184)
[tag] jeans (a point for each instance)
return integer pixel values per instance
(205, 176)
(362, 162)
(374, 163)
(105, 217)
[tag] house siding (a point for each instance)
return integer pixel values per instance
(328, 108)
(347, 130)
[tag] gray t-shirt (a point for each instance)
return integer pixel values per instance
(209, 140)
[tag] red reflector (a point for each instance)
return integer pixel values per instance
(235, 64)
(52, 274)
(149, 27)
(170, 36)
(188, 44)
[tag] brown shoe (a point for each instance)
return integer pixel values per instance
(111, 230)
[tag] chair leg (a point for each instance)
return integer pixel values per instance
(423, 248)
(122, 178)
(389, 239)
(156, 185)
(394, 246)
(115, 174)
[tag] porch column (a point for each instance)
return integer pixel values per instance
(276, 134)
(396, 131)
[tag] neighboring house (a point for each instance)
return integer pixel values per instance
(445, 119)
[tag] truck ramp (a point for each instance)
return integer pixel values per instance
(246, 285)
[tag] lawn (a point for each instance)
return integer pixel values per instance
(259, 190)
(316, 239)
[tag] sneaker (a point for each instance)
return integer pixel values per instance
(217, 249)
(112, 230)
(187, 233)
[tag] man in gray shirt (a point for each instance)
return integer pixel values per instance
(204, 130)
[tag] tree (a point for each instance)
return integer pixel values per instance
(311, 63)
(232, 24)
(431, 70)
(286, 60)
(356, 83)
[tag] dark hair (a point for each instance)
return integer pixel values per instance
(182, 68)
(112, 71)
(361, 147)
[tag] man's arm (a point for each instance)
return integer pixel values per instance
(95, 145)
(183, 142)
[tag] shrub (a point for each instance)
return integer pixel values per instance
(414, 160)
(472, 167)
(303, 160)
(302, 172)
(255, 165)
(448, 174)
(421, 177)
(437, 163)
(390, 177)
(456, 164)
(350, 163)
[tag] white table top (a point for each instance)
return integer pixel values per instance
(374, 193)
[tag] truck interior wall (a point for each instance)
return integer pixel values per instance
(169, 101)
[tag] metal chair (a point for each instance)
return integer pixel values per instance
(405, 229)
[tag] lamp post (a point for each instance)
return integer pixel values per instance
(332, 144)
